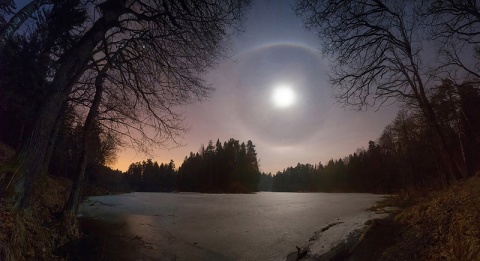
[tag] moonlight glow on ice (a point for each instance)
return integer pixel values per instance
(283, 96)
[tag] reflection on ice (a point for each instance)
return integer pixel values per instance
(262, 226)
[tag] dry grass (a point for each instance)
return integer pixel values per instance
(35, 234)
(6, 170)
(443, 226)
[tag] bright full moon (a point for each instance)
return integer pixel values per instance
(283, 96)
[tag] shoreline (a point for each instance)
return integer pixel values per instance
(102, 240)
(346, 239)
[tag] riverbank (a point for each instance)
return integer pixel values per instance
(36, 233)
(102, 240)
(43, 232)
(442, 225)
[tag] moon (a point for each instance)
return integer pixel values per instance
(283, 96)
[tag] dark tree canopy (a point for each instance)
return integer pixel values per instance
(455, 27)
(151, 53)
(375, 48)
(231, 167)
(152, 177)
(379, 51)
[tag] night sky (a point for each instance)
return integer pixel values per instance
(274, 90)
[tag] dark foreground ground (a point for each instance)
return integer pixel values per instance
(442, 225)
(376, 241)
(103, 240)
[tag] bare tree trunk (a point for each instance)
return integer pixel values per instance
(31, 156)
(413, 173)
(463, 152)
(19, 18)
(78, 181)
(53, 137)
(71, 66)
(453, 169)
(18, 143)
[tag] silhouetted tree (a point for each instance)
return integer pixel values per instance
(453, 26)
(377, 49)
(7, 29)
(232, 167)
(191, 33)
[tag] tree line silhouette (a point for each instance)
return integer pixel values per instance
(231, 167)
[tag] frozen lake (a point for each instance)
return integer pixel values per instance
(191, 226)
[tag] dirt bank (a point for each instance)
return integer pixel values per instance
(443, 225)
(34, 234)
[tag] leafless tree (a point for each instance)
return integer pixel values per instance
(134, 97)
(377, 52)
(455, 27)
(9, 28)
(177, 38)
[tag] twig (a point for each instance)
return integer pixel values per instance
(105, 204)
